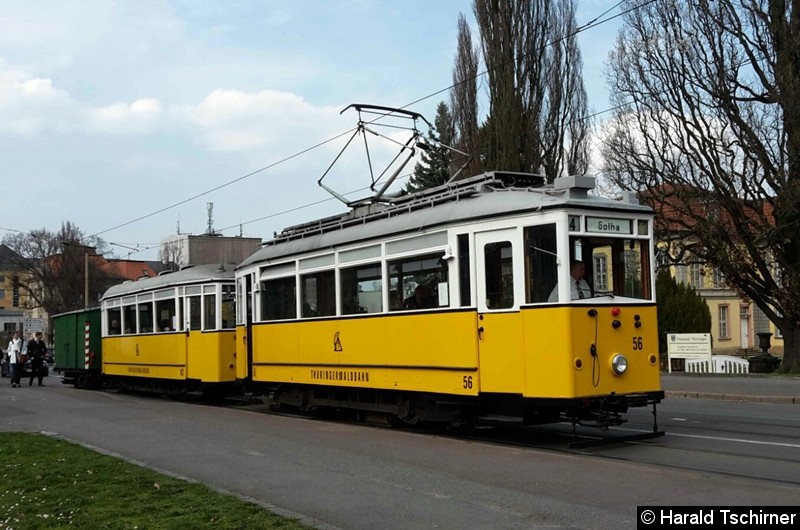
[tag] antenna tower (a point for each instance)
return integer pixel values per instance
(210, 229)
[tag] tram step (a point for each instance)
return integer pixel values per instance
(499, 419)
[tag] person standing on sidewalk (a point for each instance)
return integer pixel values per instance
(14, 358)
(36, 350)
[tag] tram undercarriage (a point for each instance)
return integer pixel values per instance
(172, 388)
(488, 409)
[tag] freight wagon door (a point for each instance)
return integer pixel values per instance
(499, 272)
(67, 340)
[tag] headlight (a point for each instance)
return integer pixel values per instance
(619, 364)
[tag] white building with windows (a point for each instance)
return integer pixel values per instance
(187, 249)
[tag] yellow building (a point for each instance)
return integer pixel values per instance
(11, 301)
(735, 321)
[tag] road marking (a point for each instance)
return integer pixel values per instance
(720, 439)
(740, 440)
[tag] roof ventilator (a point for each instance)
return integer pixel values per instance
(576, 186)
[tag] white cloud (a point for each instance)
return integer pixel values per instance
(232, 120)
(181, 96)
(139, 117)
(33, 105)
(30, 104)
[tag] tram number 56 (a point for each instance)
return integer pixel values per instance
(467, 381)
(637, 343)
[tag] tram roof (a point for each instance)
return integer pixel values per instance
(490, 195)
(188, 275)
(77, 311)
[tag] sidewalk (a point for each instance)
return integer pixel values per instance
(758, 388)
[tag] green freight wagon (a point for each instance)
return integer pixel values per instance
(78, 347)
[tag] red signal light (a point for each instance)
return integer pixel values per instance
(615, 311)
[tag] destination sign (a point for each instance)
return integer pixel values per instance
(609, 226)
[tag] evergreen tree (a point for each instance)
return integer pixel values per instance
(680, 309)
(434, 169)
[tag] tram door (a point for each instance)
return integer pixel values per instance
(244, 338)
(194, 335)
(498, 267)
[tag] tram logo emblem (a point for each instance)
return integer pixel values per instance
(337, 343)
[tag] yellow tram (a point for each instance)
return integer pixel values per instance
(171, 334)
(455, 304)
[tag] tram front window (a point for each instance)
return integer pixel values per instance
(615, 267)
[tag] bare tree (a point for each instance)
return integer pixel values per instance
(709, 131)
(537, 102)
(52, 267)
(464, 103)
(171, 254)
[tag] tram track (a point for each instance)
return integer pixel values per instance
(560, 438)
(670, 461)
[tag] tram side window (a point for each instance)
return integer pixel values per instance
(179, 321)
(129, 319)
(422, 281)
(165, 314)
(145, 317)
(541, 264)
(195, 316)
(463, 269)
(318, 292)
(279, 299)
(361, 289)
(499, 265)
(228, 307)
(114, 317)
(240, 301)
(209, 311)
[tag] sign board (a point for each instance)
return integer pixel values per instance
(606, 225)
(32, 325)
(688, 346)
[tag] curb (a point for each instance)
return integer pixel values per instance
(783, 400)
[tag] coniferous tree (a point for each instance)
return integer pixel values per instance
(537, 116)
(464, 104)
(680, 309)
(434, 169)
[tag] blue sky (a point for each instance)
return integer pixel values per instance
(111, 110)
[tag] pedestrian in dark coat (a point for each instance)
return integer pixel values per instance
(36, 350)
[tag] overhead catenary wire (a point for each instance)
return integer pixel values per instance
(595, 22)
(276, 214)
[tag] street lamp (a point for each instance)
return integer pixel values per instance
(85, 280)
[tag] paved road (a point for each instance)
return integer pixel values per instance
(754, 387)
(355, 477)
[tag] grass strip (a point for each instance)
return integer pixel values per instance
(47, 482)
